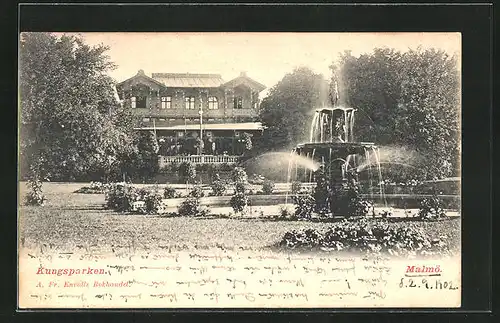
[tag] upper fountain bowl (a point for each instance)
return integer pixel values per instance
(336, 108)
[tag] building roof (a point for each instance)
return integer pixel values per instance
(243, 79)
(140, 75)
(188, 80)
(210, 126)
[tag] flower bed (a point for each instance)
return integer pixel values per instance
(365, 236)
(93, 188)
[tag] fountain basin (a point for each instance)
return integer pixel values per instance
(339, 149)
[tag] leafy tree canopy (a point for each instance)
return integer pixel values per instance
(287, 110)
(71, 122)
(407, 99)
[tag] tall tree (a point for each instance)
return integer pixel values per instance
(288, 109)
(147, 154)
(408, 99)
(71, 123)
(430, 109)
(371, 84)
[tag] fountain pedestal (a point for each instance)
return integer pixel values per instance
(332, 145)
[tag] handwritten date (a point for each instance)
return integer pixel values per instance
(437, 284)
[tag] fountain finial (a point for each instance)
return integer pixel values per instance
(336, 99)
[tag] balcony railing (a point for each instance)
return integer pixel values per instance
(199, 159)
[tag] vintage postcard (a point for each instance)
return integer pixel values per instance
(239, 170)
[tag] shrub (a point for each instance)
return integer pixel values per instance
(356, 206)
(246, 141)
(322, 192)
(169, 193)
(286, 213)
(191, 207)
(362, 236)
(187, 171)
(238, 202)
(296, 187)
(35, 195)
(197, 192)
(304, 206)
(153, 201)
(239, 175)
(203, 168)
(240, 188)
(120, 197)
(226, 167)
(268, 187)
(338, 197)
(218, 186)
(431, 208)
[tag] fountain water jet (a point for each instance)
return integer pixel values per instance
(332, 143)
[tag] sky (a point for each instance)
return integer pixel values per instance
(265, 57)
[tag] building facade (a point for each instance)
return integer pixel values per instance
(184, 109)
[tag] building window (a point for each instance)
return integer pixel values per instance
(238, 103)
(166, 102)
(180, 134)
(138, 102)
(189, 102)
(161, 119)
(212, 103)
(146, 119)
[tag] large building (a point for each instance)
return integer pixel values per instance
(180, 108)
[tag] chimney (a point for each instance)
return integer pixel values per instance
(243, 74)
(141, 72)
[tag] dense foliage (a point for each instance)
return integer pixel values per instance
(287, 110)
(268, 187)
(191, 207)
(239, 175)
(334, 197)
(239, 202)
(187, 171)
(245, 140)
(431, 208)
(197, 192)
(35, 194)
(152, 199)
(169, 193)
(121, 197)
(145, 160)
(241, 187)
(408, 99)
(371, 237)
(71, 120)
(218, 186)
(304, 206)
(296, 187)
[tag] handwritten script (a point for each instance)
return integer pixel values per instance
(186, 277)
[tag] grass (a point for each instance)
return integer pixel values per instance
(78, 221)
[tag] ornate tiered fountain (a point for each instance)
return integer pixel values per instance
(333, 147)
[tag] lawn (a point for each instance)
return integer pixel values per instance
(70, 220)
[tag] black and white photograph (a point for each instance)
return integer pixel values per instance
(239, 170)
